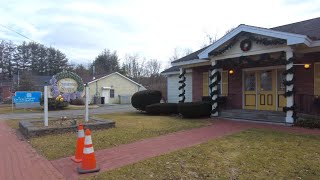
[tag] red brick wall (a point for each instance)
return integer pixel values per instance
(304, 84)
(197, 82)
(304, 78)
(234, 99)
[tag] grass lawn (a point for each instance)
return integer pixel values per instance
(8, 110)
(252, 154)
(129, 127)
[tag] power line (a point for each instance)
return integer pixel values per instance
(16, 32)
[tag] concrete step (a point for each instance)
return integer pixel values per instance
(266, 116)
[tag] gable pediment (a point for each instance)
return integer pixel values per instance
(247, 43)
(243, 30)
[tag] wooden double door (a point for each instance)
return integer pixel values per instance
(264, 89)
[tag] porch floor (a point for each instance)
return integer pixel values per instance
(254, 115)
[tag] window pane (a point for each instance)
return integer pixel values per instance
(266, 81)
(250, 81)
(111, 93)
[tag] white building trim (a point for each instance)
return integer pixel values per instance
(176, 72)
(193, 61)
(120, 76)
(290, 37)
(278, 49)
(315, 43)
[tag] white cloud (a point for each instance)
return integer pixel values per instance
(82, 29)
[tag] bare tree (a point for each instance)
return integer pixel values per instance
(229, 30)
(153, 67)
(133, 66)
(177, 54)
(209, 39)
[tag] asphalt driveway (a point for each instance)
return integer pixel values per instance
(101, 110)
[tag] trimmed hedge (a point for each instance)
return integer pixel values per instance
(195, 109)
(78, 101)
(162, 108)
(141, 99)
(308, 123)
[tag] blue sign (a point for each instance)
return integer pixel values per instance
(26, 97)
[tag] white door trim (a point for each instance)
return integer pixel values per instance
(256, 74)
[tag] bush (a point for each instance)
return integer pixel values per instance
(141, 99)
(308, 122)
(78, 101)
(194, 109)
(162, 108)
(206, 99)
(53, 104)
(7, 101)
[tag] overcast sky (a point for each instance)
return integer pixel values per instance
(82, 29)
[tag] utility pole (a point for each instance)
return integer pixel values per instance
(18, 80)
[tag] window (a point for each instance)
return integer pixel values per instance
(266, 81)
(222, 84)
(224, 81)
(205, 84)
(250, 81)
(111, 93)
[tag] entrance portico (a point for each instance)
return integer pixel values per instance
(263, 72)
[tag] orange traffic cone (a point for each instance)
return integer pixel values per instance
(89, 163)
(80, 144)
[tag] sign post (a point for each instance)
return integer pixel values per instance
(87, 104)
(45, 105)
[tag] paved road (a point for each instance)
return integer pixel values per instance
(72, 113)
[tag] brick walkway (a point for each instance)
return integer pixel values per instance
(130, 153)
(20, 161)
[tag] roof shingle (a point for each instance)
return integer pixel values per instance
(310, 28)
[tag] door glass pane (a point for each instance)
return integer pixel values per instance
(250, 81)
(281, 78)
(266, 81)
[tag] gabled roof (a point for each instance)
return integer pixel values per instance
(310, 28)
(289, 37)
(171, 69)
(116, 73)
(191, 56)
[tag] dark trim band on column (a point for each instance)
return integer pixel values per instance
(182, 86)
(291, 92)
(213, 84)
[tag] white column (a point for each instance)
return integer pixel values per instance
(290, 99)
(214, 88)
(45, 105)
(87, 104)
(182, 89)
